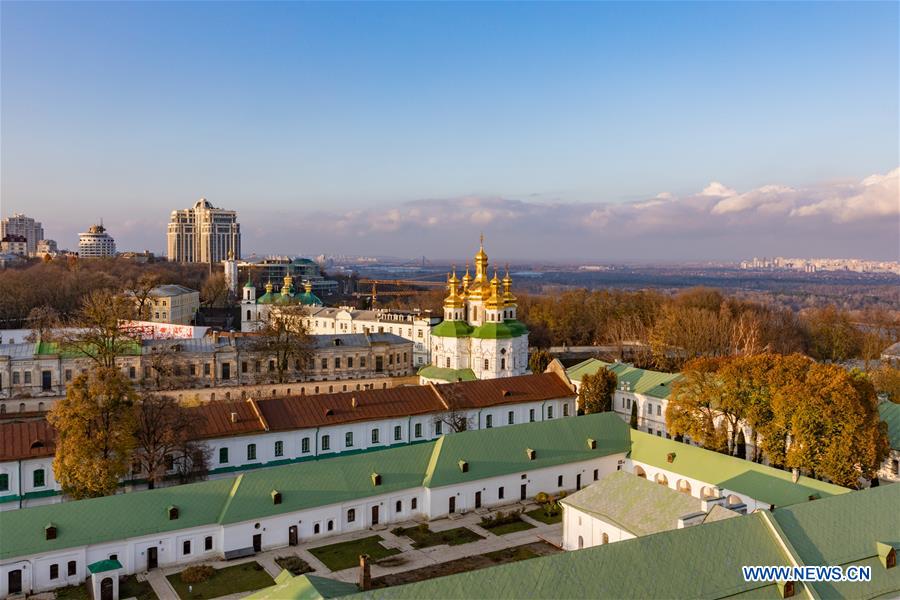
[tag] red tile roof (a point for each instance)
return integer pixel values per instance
(506, 390)
(26, 439)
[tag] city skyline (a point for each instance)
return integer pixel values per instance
(697, 131)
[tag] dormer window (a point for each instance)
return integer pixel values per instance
(376, 479)
(276, 497)
(50, 531)
(531, 454)
(464, 466)
(173, 513)
(592, 443)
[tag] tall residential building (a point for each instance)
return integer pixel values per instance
(203, 234)
(19, 224)
(96, 243)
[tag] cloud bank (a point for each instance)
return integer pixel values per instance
(859, 218)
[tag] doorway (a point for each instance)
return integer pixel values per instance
(152, 559)
(578, 481)
(15, 581)
(452, 508)
(375, 515)
(292, 536)
(257, 542)
(106, 589)
(477, 499)
(523, 491)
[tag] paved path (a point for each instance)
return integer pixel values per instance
(409, 559)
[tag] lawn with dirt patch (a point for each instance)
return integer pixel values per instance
(129, 587)
(505, 528)
(423, 537)
(245, 577)
(294, 564)
(470, 563)
(539, 514)
(344, 555)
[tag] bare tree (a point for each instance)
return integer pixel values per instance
(215, 291)
(192, 461)
(284, 340)
(164, 434)
(140, 290)
(42, 320)
(94, 331)
(167, 368)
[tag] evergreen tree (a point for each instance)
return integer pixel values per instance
(596, 392)
(634, 424)
(539, 360)
(741, 445)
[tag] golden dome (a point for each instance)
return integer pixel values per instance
(508, 298)
(269, 287)
(495, 301)
(288, 284)
(453, 299)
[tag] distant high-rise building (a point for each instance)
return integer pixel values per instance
(96, 243)
(203, 234)
(26, 227)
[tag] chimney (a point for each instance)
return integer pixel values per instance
(365, 573)
(234, 417)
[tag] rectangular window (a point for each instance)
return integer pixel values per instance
(279, 448)
(650, 430)
(223, 455)
(418, 430)
(510, 418)
(37, 478)
(192, 369)
(414, 503)
(649, 409)
(27, 377)
(489, 421)
(348, 439)
(351, 515)
(324, 363)
(398, 433)
(500, 492)
(596, 474)
(362, 362)
(54, 571)
(438, 428)
(271, 365)
(566, 409)
(186, 547)
(132, 372)
(337, 362)
(4, 482)
(68, 374)
(207, 543)
(531, 415)
(326, 442)
(659, 410)
(349, 362)
(304, 445)
(559, 481)
(251, 451)
(550, 412)
(487, 364)
(15, 378)
(375, 436)
(206, 369)
(71, 568)
(244, 366)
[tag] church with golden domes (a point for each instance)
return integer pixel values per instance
(480, 337)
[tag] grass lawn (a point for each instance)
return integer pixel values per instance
(511, 554)
(451, 537)
(245, 577)
(538, 514)
(74, 592)
(519, 525)
(344, 555)
(130, 587)
(294, 564)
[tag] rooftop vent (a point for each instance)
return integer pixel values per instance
(376, 479)
(531, 454)
(592, 443)
(786, 589)
(328, 412)
(234, 417)
(173, 513)
(506, 393)
(887, 555)
(670, 457)
(276, 497)
(50, 531)
(464, 466)
(354, 402)
(37, 444)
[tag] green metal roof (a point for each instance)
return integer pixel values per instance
(696, 562)
(492, 331)
(518, 327)
(452, 329)
(101, 566)
(449, 375)
(309, 299)
(635, 504)
(128, 348)
(642, 381)
(502, 452)
(890, 414)
(761, 482)
(304, 587)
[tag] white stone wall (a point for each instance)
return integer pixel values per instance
(584, 530)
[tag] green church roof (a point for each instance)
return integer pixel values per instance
(304, 587)
(452, 329)
(642, 381)
(448, 375)
(890, 414)
(493, 331)
(309, 299)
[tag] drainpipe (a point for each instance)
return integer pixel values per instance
(408, 429)
(543, 406)
(317, 443)
(20, 482)
(479, 417)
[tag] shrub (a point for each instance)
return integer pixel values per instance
(294, 564)
(197, 574)
(541, 497)
(398, 531)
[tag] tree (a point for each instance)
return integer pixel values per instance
(284, 338)
(215, 291)
(164, 435)
(596, 392)
(42, 320)
(831, 335)
(633, 421)
(741, 445)
(886, 380)
(139, 290)
(539, 360)
(167, 370)
(691, 409)
(95, 332)
(95, 428)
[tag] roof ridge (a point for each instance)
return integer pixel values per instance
(787, 547)
(255, 408)
(432, 461)
(440, 397)
(231, 494)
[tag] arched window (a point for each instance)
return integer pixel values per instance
(640, 472)
(684, 486)
(248, 315)
(604, 539)
(662, 479)
(580, 542)
(316, 529)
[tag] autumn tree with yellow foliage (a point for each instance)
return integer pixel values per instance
(95, 426)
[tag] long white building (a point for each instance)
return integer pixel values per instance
(273, 431)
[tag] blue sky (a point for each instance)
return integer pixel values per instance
(306, 115)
